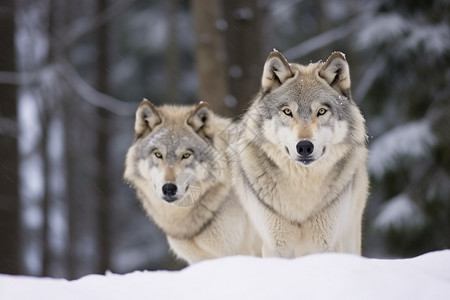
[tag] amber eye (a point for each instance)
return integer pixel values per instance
(158, 154)
(186, 155)
(287, 112)
(321, 111)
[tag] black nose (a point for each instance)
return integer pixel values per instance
(169, 189)
(305, 148)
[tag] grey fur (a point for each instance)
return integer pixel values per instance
(303, 206)
(183, 147)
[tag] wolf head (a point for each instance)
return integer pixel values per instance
(307, 110)
(173, 152)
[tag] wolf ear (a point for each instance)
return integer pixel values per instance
(202, 120)
(147, 117)
(276, 72)
(336, 72)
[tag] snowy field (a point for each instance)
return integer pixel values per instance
(320, 276)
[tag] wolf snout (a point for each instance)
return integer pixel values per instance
(169, 191)
(305, 148)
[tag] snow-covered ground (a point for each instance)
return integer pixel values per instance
(320, 276)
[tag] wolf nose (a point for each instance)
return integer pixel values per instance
(305, 148)
(169, 189)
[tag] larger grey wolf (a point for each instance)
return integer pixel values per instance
(299, 160)
(178, 168)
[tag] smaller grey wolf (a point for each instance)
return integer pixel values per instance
(299, 159)
(179, 170)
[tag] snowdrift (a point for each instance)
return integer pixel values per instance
(320, 276)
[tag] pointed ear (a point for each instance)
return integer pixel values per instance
(276, 71)
(147, 117)
(202, 120)
(336, 72)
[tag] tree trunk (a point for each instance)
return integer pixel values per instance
(247, 47)
(102, 182)
(172, 55)
(210, 56)
(32, 26)
(9, 189)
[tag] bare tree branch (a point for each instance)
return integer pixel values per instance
(277, 7)
(79, 30)
(78, 84)
(322, 40)
(17, 78)
(94, 97)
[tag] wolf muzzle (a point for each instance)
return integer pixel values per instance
(305, 149)
(169, 191)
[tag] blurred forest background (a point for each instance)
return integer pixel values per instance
(73, 72)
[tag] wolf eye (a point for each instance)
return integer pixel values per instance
(321, 111)
(287, 112)
(158, 154)
(186, 155)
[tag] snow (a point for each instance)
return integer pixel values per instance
(319, 276)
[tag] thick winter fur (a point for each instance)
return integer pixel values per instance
(299, 160)
(178, 168)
